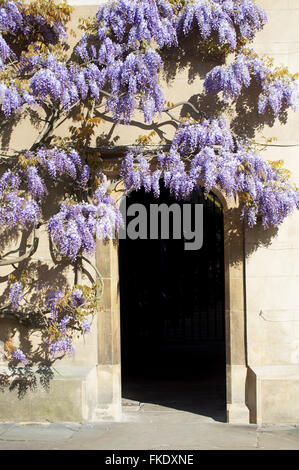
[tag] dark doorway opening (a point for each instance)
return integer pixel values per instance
(172, 316)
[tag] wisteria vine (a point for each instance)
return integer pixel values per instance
(205, 156)
(116, 66)
(279, 89)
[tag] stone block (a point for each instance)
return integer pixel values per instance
(71, 397)
(272, 394)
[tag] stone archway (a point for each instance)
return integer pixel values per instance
(109, 331)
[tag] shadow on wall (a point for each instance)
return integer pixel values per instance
(25, 326)
(25, 378)
(245, 119)
(234, 229)
(191, 56)
(29, 334)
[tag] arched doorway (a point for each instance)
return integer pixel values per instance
(172, 304)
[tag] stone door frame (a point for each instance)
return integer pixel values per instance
(109, 330)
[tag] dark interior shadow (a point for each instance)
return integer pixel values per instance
(172, 317)
(190, 379)
(172, 311)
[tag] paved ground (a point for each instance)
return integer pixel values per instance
(153, 427)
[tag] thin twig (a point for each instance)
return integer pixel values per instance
(183, 103)
(21, 317)
(172, 117)
(276, 145)
(48, 128)
(105, 93)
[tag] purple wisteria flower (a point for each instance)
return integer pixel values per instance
(13, 20)
(75, 228)
(140, 20)
(66, 309)
(61, 346)
(127, 69)
(227, 18)
(15, 295)
(59, 163)
(86, 326)
(14, 209)
(20, 356)
(36, 185)
(277, 90)
(215, 160)
(77, 298)
(53, 303)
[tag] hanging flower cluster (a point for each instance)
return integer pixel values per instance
(204, 155)
(137, 174)
(278, 88)
(16, 295)
(131, 78)
(13, 99)
(126, 60)
(18, 210)
(133, 22)
(54, 80)
(20, 356)
(74, 228)
(68, 310)
(11, 20)
(58, 163)
(15, 210)
(226, 18)
(41, 21)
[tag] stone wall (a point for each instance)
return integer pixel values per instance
(267, 342)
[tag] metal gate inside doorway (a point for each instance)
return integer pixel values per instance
(172, 300)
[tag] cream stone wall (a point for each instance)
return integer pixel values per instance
(262, 312)
(272, 269)
(272, 272)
